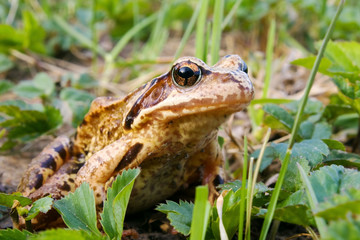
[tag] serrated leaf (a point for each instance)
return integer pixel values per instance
(280, 115)
(348, 229)
(5, 86)
(8, 199)
(14, 234)
(41, 205)
(295, 214)
(322, 130)
(343, 158)
(25, 125)
(333, 179)
(180, 215)
(61, 234)
(332, 111)
(340, 205)
(112, 218)
(292, 180)
(78, 209)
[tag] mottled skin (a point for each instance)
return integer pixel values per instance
(168, 128)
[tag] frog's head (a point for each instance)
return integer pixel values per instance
(192, 88)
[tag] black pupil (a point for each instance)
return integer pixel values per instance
(186, 72)
(244, 68)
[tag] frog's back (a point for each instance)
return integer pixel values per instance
(103, 124)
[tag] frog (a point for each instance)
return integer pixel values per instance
(168, 128)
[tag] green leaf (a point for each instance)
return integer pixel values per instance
(61, 233)
(334, 145)
(343, 158)
(340, 205)
(112, 218)
(221, 141)
(27, 89)
(348, 229)
(332, 111)
(79, 102)
(78, 209)
(333, 179)
(8, 199)
(5, 86)
(292, 181)
(231, 208)
(10, 38)
(349, 89)
(14, 234)
(322, 130)
(85, 81)
(44, 82)
(280, 115)
(25, 125)
(41, 205)
(308, 63)
(5, 63)
(295, 214)
(180, 215)
(34, 33)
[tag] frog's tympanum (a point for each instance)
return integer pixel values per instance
(168, 128)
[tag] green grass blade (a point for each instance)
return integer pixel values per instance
(320, 222)
(216, 31)
(201, 214)
(128, 35)
(231, 14)
(200, 46)
(269, 57)
(243, 191)
(274, 197)
(189, 28)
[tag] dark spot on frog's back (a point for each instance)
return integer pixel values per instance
(49, 162)
(129, 156)
(39, 181)
(65, 186)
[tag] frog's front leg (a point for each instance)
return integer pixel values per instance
(106, 163)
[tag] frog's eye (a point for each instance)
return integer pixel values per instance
(244, 67)
(186, 75)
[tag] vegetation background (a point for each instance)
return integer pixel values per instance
(57, 56)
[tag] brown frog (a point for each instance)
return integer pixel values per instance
(168, 128)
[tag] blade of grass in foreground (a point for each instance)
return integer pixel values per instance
(243, 191)
(201, 214)
(276, 192)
